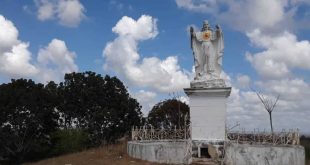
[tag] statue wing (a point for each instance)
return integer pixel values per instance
(218, 44)
(197, 52)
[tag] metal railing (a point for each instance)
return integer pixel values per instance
(291, 137)
(149, 133)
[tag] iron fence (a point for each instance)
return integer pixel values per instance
(149, 133)
(291, 137)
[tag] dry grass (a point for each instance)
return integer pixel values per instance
(107, 155)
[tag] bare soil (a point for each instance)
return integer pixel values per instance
(107, 155)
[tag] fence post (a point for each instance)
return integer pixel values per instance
(132, 129)
(175, 132)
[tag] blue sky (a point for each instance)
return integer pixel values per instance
(146, 45)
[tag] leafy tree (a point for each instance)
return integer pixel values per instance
(27, 118)
(169, 114)
(101, 106)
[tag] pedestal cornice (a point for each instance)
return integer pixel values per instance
(225, 91)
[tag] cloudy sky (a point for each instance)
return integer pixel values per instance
(146, 45)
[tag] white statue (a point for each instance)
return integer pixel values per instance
(208, 48)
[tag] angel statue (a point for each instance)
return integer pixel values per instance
(207, 46)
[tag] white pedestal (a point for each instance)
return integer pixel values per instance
(208, 113)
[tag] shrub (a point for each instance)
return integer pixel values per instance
(68, 141)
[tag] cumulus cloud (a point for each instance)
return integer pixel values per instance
(243, 81)
(281, 54)
(55, 60)
(244, 15)
(292, 110)
(248, 14)
(46, 9)
(16, 61)
(8, 34)
(122, 56)
(210, 6)
(290, 89)
(146, 98)
(67, 12)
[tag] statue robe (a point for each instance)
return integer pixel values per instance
(208, 51)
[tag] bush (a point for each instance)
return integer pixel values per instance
(68, 141)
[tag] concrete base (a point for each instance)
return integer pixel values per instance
(170, 152)
(246, 154)
(208, 112)
(215, 149)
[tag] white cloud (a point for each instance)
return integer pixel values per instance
(294, 89)
(147, 99)
(184, 99)
(245, 15)
(8, 34)
(67, 12)
(248, 14)
(16, 61)
(70, 12)
(292, 110)
(122, 56)
(55, 60)
(46, 9)
(209, 6)
(142, 29)
(281, 54)
(243, 81)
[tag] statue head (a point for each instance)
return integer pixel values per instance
(205, 26)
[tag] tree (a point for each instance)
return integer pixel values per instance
(269, 105)
(169, 114)
(27, 119)
(101, 106)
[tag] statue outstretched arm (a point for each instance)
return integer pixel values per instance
(218, 31)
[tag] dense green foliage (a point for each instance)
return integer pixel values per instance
(27, 119)
(101, 106)
(85, 110)
(169, 114)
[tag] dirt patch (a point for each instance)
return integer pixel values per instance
(107, 155)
